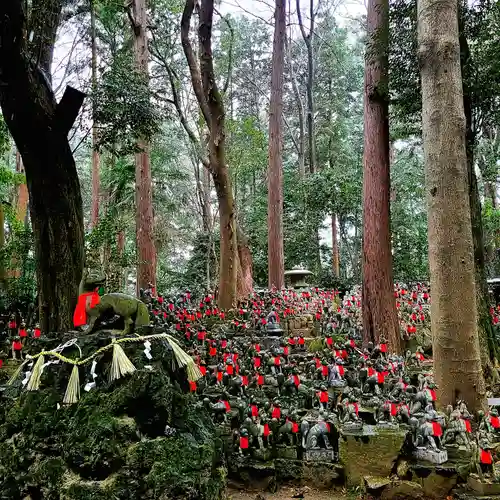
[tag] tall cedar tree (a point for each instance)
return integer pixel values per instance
(212, 108)
(40, 127)
(379, 306)
(144, 221)
(457, 362)
(95, 153)
(275, 253)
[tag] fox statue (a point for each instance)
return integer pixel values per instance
(92, 306)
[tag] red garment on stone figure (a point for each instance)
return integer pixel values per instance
(468, 427)
(323, 396)
(243, 442)
(437, 430)
(80, 314)
(486, 457)
(495, 422)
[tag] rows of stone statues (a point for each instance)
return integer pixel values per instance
(295, 379)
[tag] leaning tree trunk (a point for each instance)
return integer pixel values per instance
(457, 362)
(378, 304)
(146, 251)
(212, 109)
(40, 130)
(275, 252)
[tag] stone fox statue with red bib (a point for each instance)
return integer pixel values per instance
(92, 308)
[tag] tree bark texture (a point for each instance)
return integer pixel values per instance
(335, 248)
(378, 304)
(94, 216)
(245, 267)
(275, 252)
(146, 251)
(457, 363)
(40, 129)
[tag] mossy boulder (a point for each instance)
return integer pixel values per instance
(374, 455)
(112, 443)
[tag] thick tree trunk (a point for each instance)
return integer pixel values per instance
(275, 253)
(40, 128)
(245, 272)
(457, 363)
(487, 340)
(228, 237)
(95, 154)
(335, 248)
(379, 306)
(146, 251)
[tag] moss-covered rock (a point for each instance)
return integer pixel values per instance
(370, 455)
(111, 444)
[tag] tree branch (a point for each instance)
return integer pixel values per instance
(68, 108)
(194, 69)
(230, 53)
(176, 101)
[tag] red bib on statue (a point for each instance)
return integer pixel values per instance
(80, 314)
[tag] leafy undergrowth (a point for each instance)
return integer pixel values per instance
(111, 444)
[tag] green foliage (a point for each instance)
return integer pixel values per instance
(409, 215)
(4, 137)
(124, 109)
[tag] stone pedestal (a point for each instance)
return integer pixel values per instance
(432, 456)
(482, 487)
(369, 455)
(289, 452)
(320, 455)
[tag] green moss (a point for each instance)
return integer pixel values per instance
(111, 444)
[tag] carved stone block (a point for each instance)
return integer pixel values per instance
(432, 456)
(320, 455)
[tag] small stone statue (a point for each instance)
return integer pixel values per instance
(456, 433)
(322, 397)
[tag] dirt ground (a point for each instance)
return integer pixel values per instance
(291, 494)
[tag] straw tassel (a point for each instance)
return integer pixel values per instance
(17, 372)
(36, 374)
(120, 365)
(73, 390)
(184, 359)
